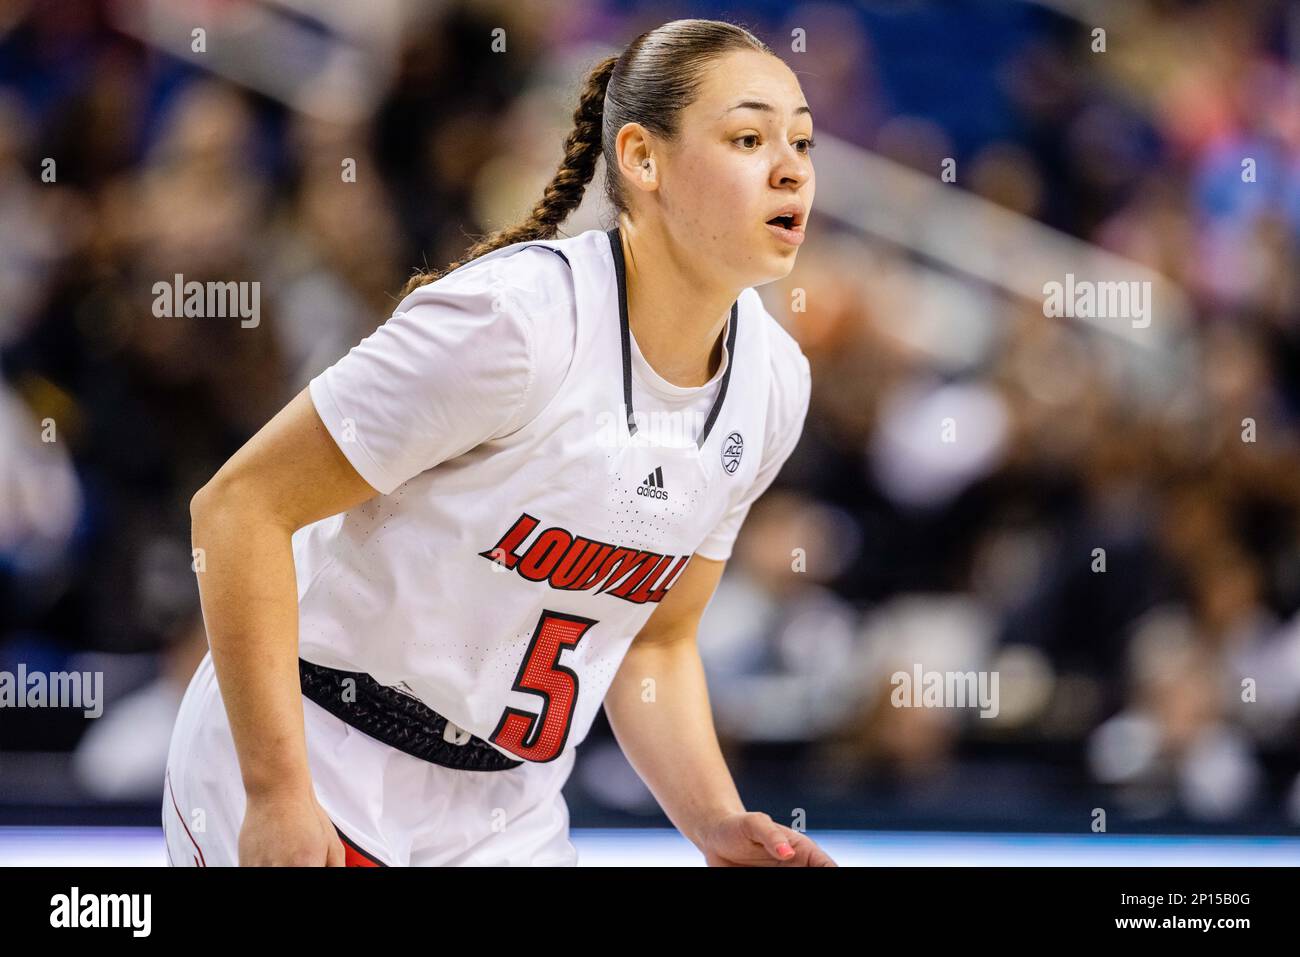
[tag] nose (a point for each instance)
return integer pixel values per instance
(791, 168)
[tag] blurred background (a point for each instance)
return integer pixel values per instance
(1114, 533)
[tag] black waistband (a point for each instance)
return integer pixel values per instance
(398, 720)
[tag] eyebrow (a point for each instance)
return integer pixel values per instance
(765, 107)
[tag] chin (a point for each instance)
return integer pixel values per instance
(782, 270)
(785, 263)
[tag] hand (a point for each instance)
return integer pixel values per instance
(288, 830)
(752, 839)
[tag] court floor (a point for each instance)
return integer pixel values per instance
(136, 846)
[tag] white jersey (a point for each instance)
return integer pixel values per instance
(542, 488)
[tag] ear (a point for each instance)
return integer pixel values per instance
(635, 151)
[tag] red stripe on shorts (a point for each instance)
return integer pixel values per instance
(198, 861)
(354, 856)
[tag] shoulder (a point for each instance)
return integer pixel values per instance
(523, 302)
(524, 296)
(787, 368)
(535, 278)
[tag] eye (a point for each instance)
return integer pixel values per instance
(808, 142)
(747, 136)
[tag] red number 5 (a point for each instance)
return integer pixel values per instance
(541, 737)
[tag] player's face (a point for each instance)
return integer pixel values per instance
(735, 166)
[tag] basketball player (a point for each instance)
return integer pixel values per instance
(510, 504)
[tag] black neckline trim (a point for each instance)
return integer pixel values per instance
(625, 332)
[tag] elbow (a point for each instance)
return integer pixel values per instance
(679, 636)
(215, 494)
(199, 503)
(206, 499)
(233, 498)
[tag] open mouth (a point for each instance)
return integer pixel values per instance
(788, 227)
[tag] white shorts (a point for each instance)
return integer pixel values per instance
(391, 807)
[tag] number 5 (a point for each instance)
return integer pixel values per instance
(541, 737)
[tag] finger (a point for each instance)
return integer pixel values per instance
(806, 852)
(335, 857)
(334, 853)
(815, 856)
(762, 829)
(802, 850)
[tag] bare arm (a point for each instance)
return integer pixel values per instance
(289, 474)
(669, 738)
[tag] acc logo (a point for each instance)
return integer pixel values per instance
(731, 451)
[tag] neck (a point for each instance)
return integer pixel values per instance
(677, 313)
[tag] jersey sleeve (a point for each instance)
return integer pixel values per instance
(791, 390)
(460, 362)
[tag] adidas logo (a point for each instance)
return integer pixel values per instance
(653, 486)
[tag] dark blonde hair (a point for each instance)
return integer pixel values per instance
(650, 83)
